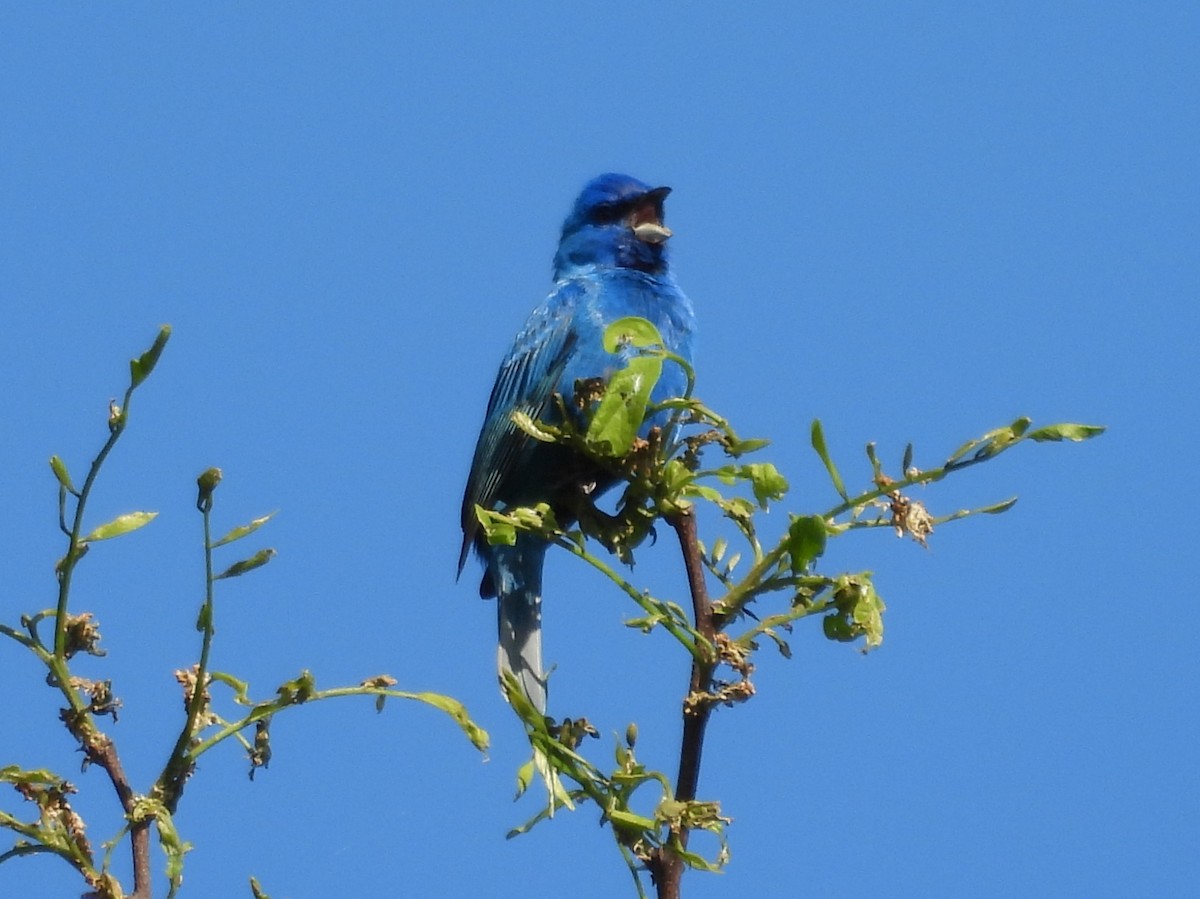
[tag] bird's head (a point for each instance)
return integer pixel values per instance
(617, 221)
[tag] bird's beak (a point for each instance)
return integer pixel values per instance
(646, 218)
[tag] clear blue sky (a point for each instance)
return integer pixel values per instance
(913, 221)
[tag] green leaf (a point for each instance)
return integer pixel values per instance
(647, 623)
(727, 474)
(741, 447)
(299, 689)
(498, 528)
(1066, 431)
(838, 628)
(876, 467)
(996, 508)
(619, 415)
(805, 541)
(14, 774)
(963, 450)
(1002, 438)
(818, 444)
(122, 524)
(534, 429)
(241, 688)
(705, 492)
(766, 481)
(738, 509)
(258, 560)
(695, 861)
(859, 612)
(785, 649)
(676, 476)
(59, 467)
(477, 735)
(140, 368)
(868, 616)
(630, 820)
(239, 532)
(993, 442)
(524, 778)
(631, 331)
(174, 848)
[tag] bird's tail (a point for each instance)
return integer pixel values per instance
(517, 575)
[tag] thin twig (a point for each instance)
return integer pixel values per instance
(179, 764)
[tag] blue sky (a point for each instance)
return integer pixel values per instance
(915, 222)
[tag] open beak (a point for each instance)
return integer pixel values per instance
(646, 217)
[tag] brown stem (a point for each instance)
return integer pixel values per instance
(101, 751)
(666, 867)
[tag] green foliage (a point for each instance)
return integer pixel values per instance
(244, 530)
(57, 829)
(616, 420)
(122, 524)
(760, 590)
(778, 585)
(639, 836)
(618, 416)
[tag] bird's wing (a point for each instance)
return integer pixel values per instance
(527, 379)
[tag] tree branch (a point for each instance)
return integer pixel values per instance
(666, 866)
(100, 750)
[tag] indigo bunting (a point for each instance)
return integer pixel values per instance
(611, 262)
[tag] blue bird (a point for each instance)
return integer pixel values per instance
(611, 263)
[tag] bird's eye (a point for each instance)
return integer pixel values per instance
(607, 213)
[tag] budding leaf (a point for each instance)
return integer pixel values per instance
(631, 331)
(766, 481)
(741, 447)
(239, 532)
(524, 778)
(630, 820)
(1066, 431)
(172, 845)
(805, 541)
(997, 508)
(497, 527)
(997, 441)
(526, 423)
(785, 649)
(477, 735)
(59, 467)
(14, 774)
(140, 368)
(258, 560)
(818, 444)
(737, 508)
(876, 467)
(122, 524)
(859, 613)
(206, 484)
